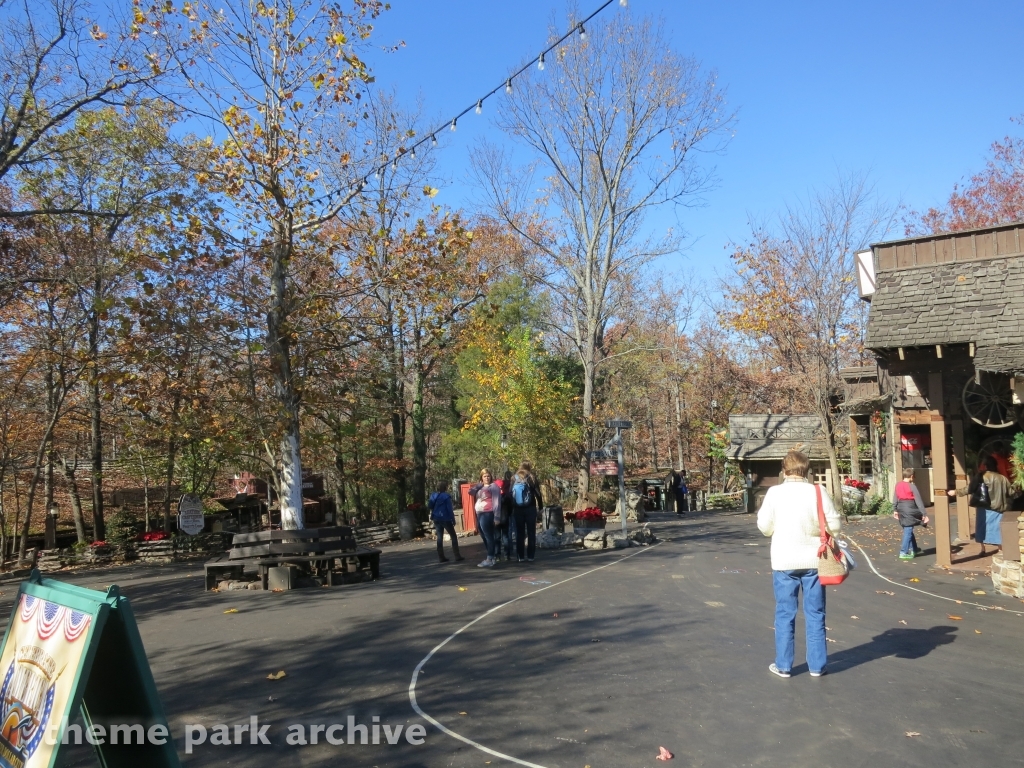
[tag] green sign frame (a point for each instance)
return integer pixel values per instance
(70, 650)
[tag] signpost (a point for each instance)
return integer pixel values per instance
(618, 425)
(70, 651)
(190, 514)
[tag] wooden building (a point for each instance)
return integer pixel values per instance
(758, 442)
(946, 324)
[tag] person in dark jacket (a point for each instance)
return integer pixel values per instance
(526, 503)
(504, 528)
(990, 492)
(442, 512)
(910, 512)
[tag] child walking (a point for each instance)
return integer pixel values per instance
(442, 512)
(910, 512)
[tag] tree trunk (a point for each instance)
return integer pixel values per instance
(583, 484)
(340, 497)
(76, 499)
(29, 503)
(289, 476)
(172, 455)
(96, 459)
(679, 431)
(654, 439)
(419, 440)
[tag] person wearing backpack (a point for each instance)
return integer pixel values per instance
(909, 511)
(991, 494)
(442, 513)
(525, 505)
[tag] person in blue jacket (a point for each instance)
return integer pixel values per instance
(442, 512)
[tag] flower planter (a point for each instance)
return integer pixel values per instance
(592, 524)
(853, 494)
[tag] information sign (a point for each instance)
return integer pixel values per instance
(190, 514)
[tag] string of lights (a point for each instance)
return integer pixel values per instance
(578, 28)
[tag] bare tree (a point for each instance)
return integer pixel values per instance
(57, 61)
(613, 125)
(794, 293)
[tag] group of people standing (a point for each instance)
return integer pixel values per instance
(506, 515)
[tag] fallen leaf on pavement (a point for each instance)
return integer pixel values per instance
(954, 618)
(463, 713)
(913, 733)
(830, 639)
(958, 602)
(915, 579)
(883, 592)
(977, 631)
(978, 592)
(555, 615)
(463, 589)
(902, 621)
(276, 675)
(664, 754)
(231, 610)
(855, 617)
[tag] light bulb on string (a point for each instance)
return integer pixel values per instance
(412, 153)
(480, 106)
(540, 63)
(583, 33)
(508, 86)
(453, 125)
(623, 3)
(394, 165)
(433, 139)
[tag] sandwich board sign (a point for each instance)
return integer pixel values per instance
(67, 651)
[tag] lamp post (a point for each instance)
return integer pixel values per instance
(51, 526)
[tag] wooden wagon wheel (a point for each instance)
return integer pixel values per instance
(989, 402)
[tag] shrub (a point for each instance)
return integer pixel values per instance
(122, 527)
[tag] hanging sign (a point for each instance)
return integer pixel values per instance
(915, 441)
(190, 514)
(70, 651)
(604, 467)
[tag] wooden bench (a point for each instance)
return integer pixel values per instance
(313, 548)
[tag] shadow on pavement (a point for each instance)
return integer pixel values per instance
(900, 643)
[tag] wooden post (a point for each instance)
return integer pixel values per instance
(963, 510)
(940, 472)
(854, 451)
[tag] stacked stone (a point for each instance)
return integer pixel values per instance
(51, 559)
(1007, 576)
(156, 551)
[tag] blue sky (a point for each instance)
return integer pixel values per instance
(911, 92)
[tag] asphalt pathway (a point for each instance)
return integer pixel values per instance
(604, 657)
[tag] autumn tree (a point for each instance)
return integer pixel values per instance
(793, 293)
(992, 196)
(614, 126)
(58, 60)
(274, 81)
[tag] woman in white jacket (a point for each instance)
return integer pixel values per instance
(789, 514)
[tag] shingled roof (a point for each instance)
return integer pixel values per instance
(754, 436)
(980, 301)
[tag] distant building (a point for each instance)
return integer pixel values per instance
(759, 441)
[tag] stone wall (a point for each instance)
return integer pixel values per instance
(1007, 576)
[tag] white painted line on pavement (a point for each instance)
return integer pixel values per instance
(930, 594)
(485, 614)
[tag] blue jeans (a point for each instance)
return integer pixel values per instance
(909, 543)
(526, 530)
(986, 529)
(485, 520)
(787, 586)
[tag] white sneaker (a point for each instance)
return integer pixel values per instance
(487, 563)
